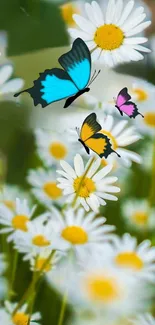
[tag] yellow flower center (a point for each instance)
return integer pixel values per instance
(20, 319)
(75, 235)
(86, 188)
(109, 37)
(40, 240)
(149, 119)
(52, 190)
(9, 204)
(130, 260)
(140, 218)
(67, 11)
(58, 150)
(40, 265)
(111, 137)
(103, 288)
(19, 222)
(141, 94)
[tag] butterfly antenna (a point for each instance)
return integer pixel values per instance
(92, 80)
(117, 153)
(141, 115)
(92, 77)
(77, 130)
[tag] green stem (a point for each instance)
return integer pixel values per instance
(151, 199)
(81, 182)
(63, 308)
(35, 279)
(14, 268)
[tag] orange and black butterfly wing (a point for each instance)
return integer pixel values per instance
(100, 144)
(89, 127)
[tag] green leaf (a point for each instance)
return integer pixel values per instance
(32, 25)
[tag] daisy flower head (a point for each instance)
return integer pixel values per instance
(139, 260)
(42, 262)
(44, 186)
(9, 86)
(52, 147)
(8, 195)
(120, 136)
(17, 219)
(39, 238)
(112, 36)
(79, 230)
(87, 185)
(105, 288)
(137, 215)
(144, 319)
(21, 317)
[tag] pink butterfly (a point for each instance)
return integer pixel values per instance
(124, 105)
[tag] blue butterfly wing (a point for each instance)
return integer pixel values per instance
(77, 63)
(52, 85)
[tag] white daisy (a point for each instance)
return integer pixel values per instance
(106, 288)
(9, 86)
(138, 215)
(8, 195)
(20, 317)
(52, 147)
(144, 319)
(125, 253)
(38, 238)
(111, 36)
(86, 185)
(41, 263)
(45, 186)
(80, 230)
(16, 219)
(120, 136)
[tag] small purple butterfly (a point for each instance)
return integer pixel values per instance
(124, 105)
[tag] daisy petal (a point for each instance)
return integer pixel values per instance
(12, 86)
(135, 40)
(84, 24)
(119, 127)
(78, 165)
(138, 29)
(75, 33)
(67, 168)
(141, 48)
(5, 73)
(97, 13)
(102, 173)
(110, 11)
(96, 54)
(126, 12)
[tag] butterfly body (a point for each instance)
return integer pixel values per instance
(70, 100)
(68, 83)
(91, 137)
(124, 105)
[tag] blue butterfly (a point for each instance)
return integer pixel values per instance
(56, 84)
